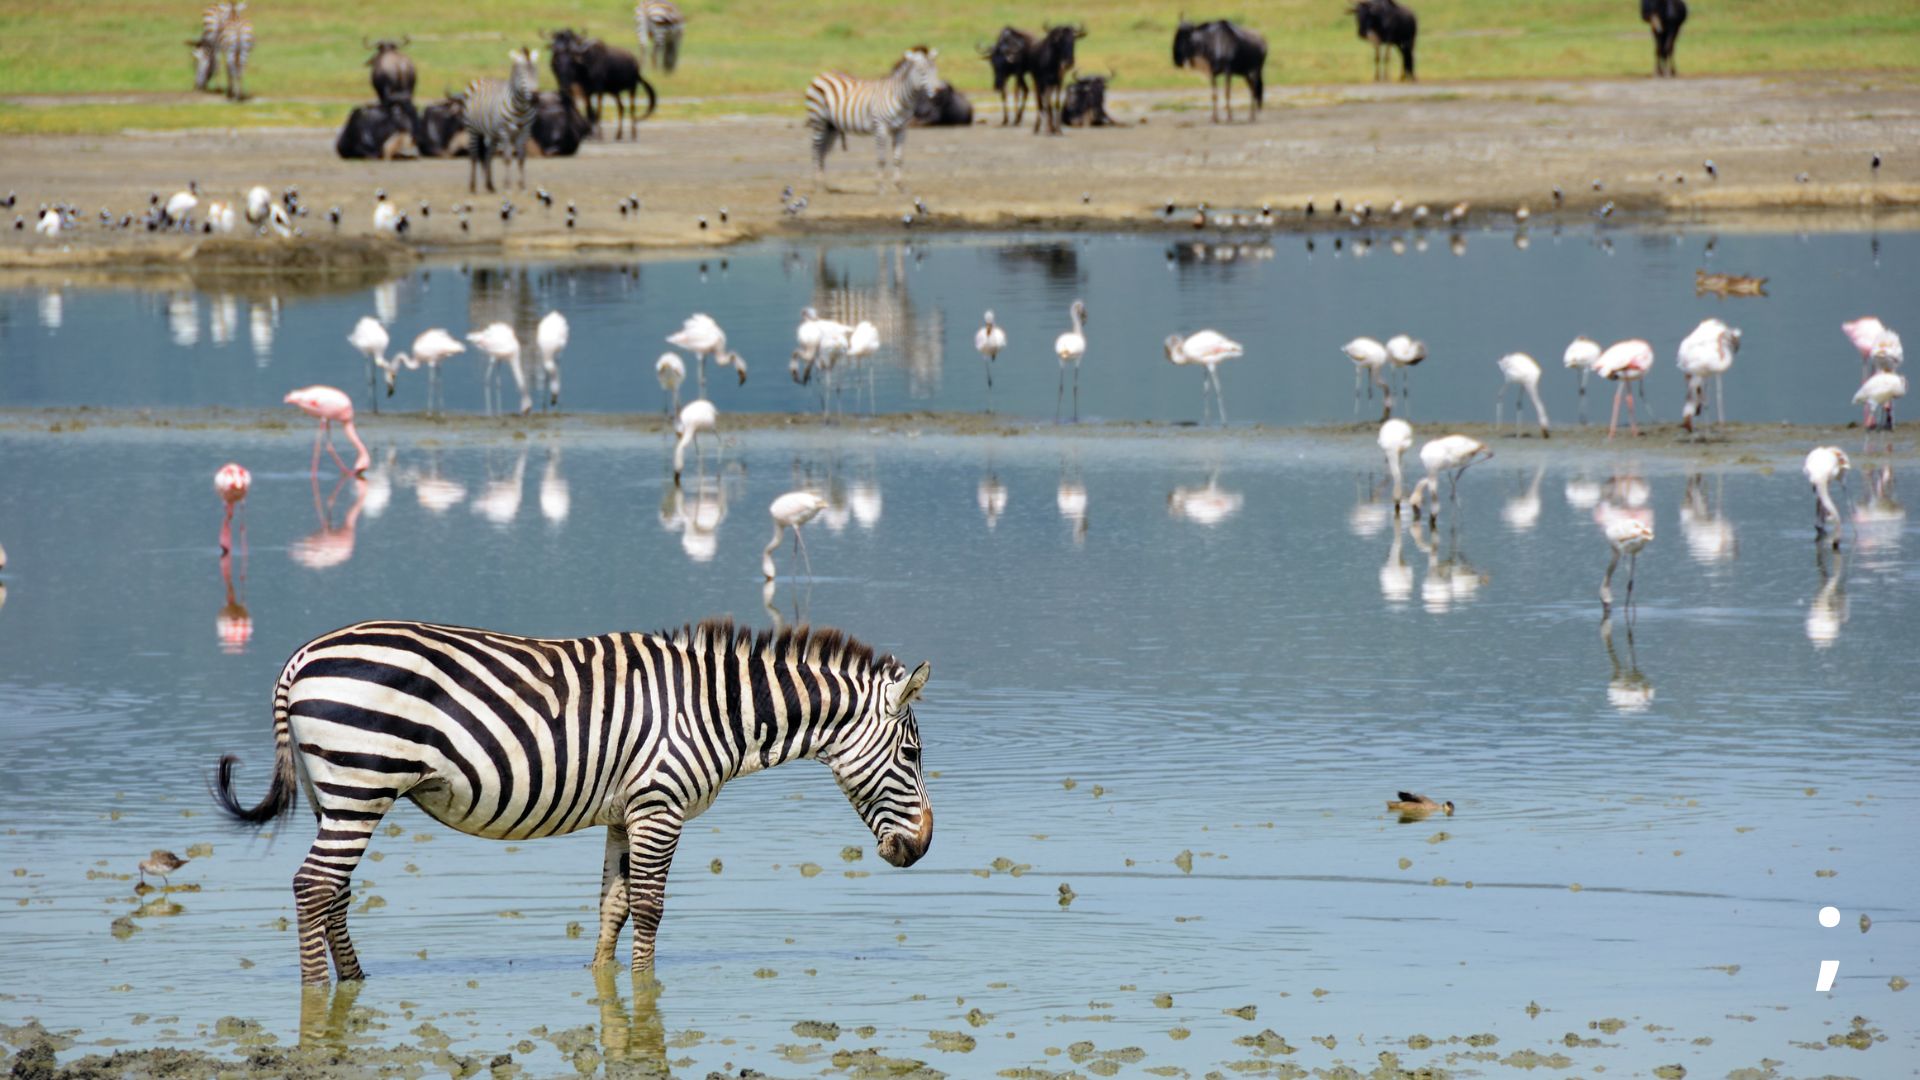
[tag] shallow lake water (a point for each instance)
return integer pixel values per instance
(1180, 675)
(1472, 296)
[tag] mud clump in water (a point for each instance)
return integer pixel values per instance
(1184, 861)
(817, 1029)
(1268, 1042)
(952, 1042)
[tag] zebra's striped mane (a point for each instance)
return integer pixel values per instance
(813, 645)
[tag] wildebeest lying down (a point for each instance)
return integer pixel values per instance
(946, 107)
(1086, 103)
(557, 129)
(513, 738)
(378, 131)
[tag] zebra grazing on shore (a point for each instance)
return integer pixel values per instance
(658, 25)
(499, 117)
(226, 36)
(841, 104)
(511, 738)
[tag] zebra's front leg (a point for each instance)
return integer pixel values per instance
(880, 139)
(613, 896)
(653, 834)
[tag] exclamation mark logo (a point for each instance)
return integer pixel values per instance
(1829, 969)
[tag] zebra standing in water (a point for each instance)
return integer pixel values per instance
(511, 738)
(841, 104)
(499, 116)
(226, 35)
(658, 25)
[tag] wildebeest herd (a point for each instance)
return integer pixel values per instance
(1025, 65)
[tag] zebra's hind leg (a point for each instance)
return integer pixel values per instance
(653, 833)
(881, 137)
(613, 896)
(322, 889)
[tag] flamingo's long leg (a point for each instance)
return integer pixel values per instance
(1614, 425)
(1632, 420)
(1219, 397)
(802, 545)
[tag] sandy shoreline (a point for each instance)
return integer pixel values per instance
(1496, 146)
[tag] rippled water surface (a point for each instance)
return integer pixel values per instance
(1472, 296)
(1179, 675)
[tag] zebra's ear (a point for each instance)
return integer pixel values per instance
(907, 691)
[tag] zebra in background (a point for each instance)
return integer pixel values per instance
(499, 116)
(226, 36)
(841, 104)
(658, 25)
(511, 738)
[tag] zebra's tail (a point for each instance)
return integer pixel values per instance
(284, 790)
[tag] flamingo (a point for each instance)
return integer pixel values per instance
(698, 416)
(221, 216)
(1405, 353)
(1368, 357)
(1449, 454)
(702, 337)
(386, 216)
(861, 345)
(1396, 436)
(1624, 362)
(1070, 347)
(790, 511)
(1523, 370)
(231, 482)
(1206, 348)
(1878, 394)
(180, 205)
(50, 223)
(331, 406)
(1868, 334)
(1707, 352)
(671, 371)
(430, 348)
(1627, 535)
(370, 338)
(502, 345)
(1825, 466)
(551, 337)
(1580, 355)
(988, 341)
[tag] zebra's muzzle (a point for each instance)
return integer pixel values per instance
(903, 849)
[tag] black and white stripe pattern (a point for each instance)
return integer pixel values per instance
(841, 104)
(499, 116)
(512, 738)
(226, 37)
(658, 25)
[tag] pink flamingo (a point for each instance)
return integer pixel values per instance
(1878, 345)
(329, 405)
(231, 482)
(1624, 362)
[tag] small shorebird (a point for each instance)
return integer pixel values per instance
(160, 864)
(1419, 806)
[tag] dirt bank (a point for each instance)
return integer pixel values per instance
(1497, 146)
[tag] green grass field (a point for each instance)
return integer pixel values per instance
(757, 55)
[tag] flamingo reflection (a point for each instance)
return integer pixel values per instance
(1070, 497)
(183, 319)
(1209, 505)
(556, 498)
(1628, 690)
(991, 496)
(1522, 512)
(499, 501)
(234, 625)
(1827, 611)
(1396, 577)
(53, 309)
(435, 493)
(1450, 580)
(1704, 524)
(1879, 519)
(331, 546)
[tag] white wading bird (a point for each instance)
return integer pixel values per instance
(1071, 347)
(1624, 362)
(1524, 371)
(1706, 353)
(1826, 466)
(1450, 454)
(1206, 348)
(791, 511)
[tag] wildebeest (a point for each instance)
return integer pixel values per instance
(589, 69)
(558, 129)
(378, 131)
(1223, 50)
(945, 107)
(392, 73)
(1664, 18)
(1086, 102)
(1387, 25)
(1048, 62)
(1009, 57)
(441, 130)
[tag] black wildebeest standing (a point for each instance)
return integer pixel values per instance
(1387, 25)
(441, 130)
(1223, 50)
(1010, 58)
(1086, 102)
(589, 69)
(393, 74)
(1048, 63)
(1664, 18)
(378, 131)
